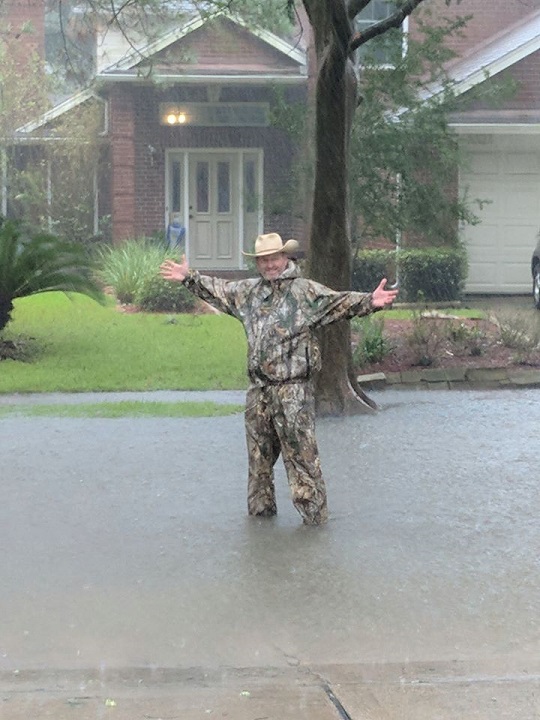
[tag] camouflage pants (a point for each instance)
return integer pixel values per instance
(281, 419)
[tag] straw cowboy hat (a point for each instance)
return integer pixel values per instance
(270, 244)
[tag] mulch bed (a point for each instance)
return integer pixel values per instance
(473, 344)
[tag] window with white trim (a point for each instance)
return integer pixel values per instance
(382, 49)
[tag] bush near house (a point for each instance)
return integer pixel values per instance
(432, 274)
(131, 271)
(370, 266)
(425, 274)
(158, 295)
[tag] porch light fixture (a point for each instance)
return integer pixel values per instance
(176, 118)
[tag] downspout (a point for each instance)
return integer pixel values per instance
(96, 202)
(4, 183)
(398, 232)
(49, 195)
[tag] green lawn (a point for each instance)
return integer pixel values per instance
(122, 409)
(86, 347)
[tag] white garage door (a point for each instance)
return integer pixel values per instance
(505, 171)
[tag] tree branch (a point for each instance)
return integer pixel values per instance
(394, 21)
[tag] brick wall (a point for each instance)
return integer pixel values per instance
(122, 154)
(222, 44)
(489, 17)
(526, 97)
(16, 14)
(138, 145)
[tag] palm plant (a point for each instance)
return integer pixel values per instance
(40, 263)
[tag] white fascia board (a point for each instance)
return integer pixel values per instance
(135, 57)
(143, 53)
(467, 74)
(295, 53)
(58, 110)
(204, 79)
(496, 128)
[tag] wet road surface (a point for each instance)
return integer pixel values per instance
(125, 543)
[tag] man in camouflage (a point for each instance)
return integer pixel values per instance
(279, 312)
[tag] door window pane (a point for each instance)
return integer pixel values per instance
(250, 185)
(176, 187)
(202, 187)
(224, 187)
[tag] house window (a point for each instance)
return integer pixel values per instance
(215, 114)
(381, 50)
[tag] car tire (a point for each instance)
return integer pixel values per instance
(536, 285)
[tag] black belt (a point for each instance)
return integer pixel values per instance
(257, 375)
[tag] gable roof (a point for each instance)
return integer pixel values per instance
(57, 111)
(291, 68)
(276, 58)
(492, 56)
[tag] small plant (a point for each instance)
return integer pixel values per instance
(372, 346)
(20, 348)
(158, 295)
(467, 340)
(520, 333)
(128, 267)
(425, 339)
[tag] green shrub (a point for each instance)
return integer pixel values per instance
(372, 346)
(128, 267)
(370, 267)
(432, 274)
(158, 295)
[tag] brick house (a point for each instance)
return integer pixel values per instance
(191, 149)
(190, 143)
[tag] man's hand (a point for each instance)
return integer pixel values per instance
(382, 298)
(170, 270)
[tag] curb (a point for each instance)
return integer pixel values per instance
(452, 379)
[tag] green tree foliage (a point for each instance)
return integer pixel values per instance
(40, 263)
(56, 189)
(404, 156)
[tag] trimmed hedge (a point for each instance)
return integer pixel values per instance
(369, 268)
(425, 274)
(432, 274)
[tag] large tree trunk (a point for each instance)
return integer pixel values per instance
(330, 245)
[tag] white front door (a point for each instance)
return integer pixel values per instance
(214, 206)
(213, 210)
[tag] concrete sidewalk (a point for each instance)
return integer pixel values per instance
(435, 691)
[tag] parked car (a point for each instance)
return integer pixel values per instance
(535, 268)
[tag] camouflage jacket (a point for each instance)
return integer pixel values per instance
(279, 318)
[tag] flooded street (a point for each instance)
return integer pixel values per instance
(125, 543)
